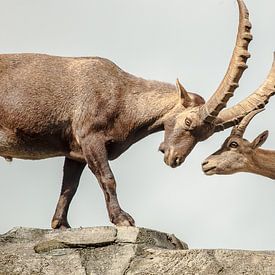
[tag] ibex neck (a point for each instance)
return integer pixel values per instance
(264, 163)
(152, 103)
(146, 106)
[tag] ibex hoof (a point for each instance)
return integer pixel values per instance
(123, 219)
(60, 224)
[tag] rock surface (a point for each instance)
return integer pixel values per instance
(119, 250)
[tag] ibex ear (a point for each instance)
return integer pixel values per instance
(185, 99)
(259, 140)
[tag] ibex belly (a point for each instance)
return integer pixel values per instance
(14, 144)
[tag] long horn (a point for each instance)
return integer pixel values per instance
(235, 69)
(239, 129)
(257, 100)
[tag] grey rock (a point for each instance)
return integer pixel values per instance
(206, 262)
(119, 250)
(98, 250)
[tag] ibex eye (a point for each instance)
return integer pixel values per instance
(233, 144)
(188, 122)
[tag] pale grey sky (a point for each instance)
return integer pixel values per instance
(162, 40)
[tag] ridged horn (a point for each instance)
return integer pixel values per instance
(257, 100)
(239, 129)
(235, 69)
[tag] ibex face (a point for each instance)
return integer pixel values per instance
(236, 154)
(180, 143)
(184, 130)
(230, 158)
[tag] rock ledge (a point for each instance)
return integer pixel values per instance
(119, 250)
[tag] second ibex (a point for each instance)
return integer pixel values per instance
(90, 111)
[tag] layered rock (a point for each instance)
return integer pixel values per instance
(119, 250)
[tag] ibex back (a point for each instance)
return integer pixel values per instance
(90, 111)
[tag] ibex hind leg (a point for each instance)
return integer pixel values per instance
(72, 172)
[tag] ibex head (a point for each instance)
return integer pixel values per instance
(236, 153)
(194, 119)
(184, 129)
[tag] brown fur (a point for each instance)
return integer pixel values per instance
(239, 155)
(90, 111)
(86, 109)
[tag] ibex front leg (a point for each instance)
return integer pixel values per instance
(71, 174)
(96, 156)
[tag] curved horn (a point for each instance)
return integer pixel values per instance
(239, 129)
(235, 69)
(257, 100)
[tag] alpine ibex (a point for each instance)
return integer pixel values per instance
(239, 155)
(90, 111)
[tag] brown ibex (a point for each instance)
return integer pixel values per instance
(90, 111)
(239, 155)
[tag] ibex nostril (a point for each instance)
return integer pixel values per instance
(205, 162)
(162, 148)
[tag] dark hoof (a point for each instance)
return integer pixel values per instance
(60, 224)
(123, 219)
